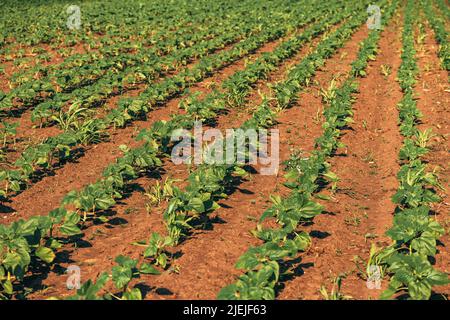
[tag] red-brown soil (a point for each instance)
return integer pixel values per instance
(361, 208)
(230, 238)
(29, 134)
(49, 191)
(140, 226)
(357, 216)
(433, 100)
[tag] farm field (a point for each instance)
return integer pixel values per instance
(355, 97)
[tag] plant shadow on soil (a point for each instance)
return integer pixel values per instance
(205, 222)
(328, 213)
(16, 112)
(4, 208)
(146, 289)
(40, 272)
(129, 189)
(42, 173)
(78, 241)
(319, 234)
(296, 269)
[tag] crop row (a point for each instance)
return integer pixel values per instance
(77, 131)
(208, 183)
(112, 19)
(108, 46)
(95, 197)
(265, 265)
(414, 231)
(188, 208)
(149, 69)
(136, 69)
(439, 26)
(112, 64)
(57, 148)
(443, 6)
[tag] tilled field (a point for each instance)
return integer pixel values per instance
(87, 180)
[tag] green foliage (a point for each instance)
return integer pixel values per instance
(155, 249)
(263, 263)
(125, 270)
(8, 130)
(254, 285)
(414, 273)
(438, 24)
(149, 64)
(414, 231)
(31, 242)
(414, 185)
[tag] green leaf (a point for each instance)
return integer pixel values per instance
(126, 261)
(228, 293)
(121, 276)
(45, 254)
(197, 205)
(54, 244)
(147, 268)
(12, 260)
(133, 294)
(104, 203)
(322, 196)
(8, 287)
(438, 278)
(425, 245)
(419, 290)
(69, 229)
(72, 218)
(162, 260)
